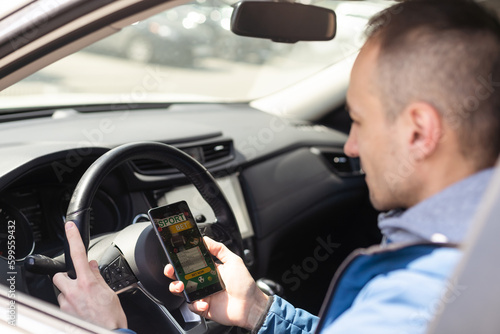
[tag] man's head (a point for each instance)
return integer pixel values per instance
(425, 99)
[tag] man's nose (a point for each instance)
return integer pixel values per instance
(351, 146)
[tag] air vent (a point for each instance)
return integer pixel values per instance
(207, 154)
(342, 164)
(216, 151)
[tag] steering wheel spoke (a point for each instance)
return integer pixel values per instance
(115, 270)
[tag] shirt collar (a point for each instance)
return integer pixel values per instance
(443, 217)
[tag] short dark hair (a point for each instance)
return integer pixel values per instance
(446, 53)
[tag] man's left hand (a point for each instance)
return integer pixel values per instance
(88, 296)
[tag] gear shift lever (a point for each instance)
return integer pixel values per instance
(270, 287)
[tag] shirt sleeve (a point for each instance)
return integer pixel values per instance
(124, 331)
(283, 317)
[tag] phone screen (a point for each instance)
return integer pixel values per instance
(186, 250)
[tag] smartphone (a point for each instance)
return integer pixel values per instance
(183, 244)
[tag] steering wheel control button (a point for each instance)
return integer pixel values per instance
(118, 274)
(200, 218)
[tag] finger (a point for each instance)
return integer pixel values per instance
(219, 250)
(94, 267)
(62, 300)
(176, 287)
(64, 304)
(77, 250)
(61, 281)
(169, 271)
(200, 307)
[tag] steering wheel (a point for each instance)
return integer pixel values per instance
(135, 251)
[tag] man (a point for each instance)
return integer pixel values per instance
(425, 107)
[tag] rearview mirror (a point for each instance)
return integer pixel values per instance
(283, 21)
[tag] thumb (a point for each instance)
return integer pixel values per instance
(219, 250)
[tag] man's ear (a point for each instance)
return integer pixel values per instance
(425, 129)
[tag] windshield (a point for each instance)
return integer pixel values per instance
(188, 54)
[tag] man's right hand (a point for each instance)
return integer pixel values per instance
(241, 304)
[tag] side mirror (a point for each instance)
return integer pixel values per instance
(283, 21)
